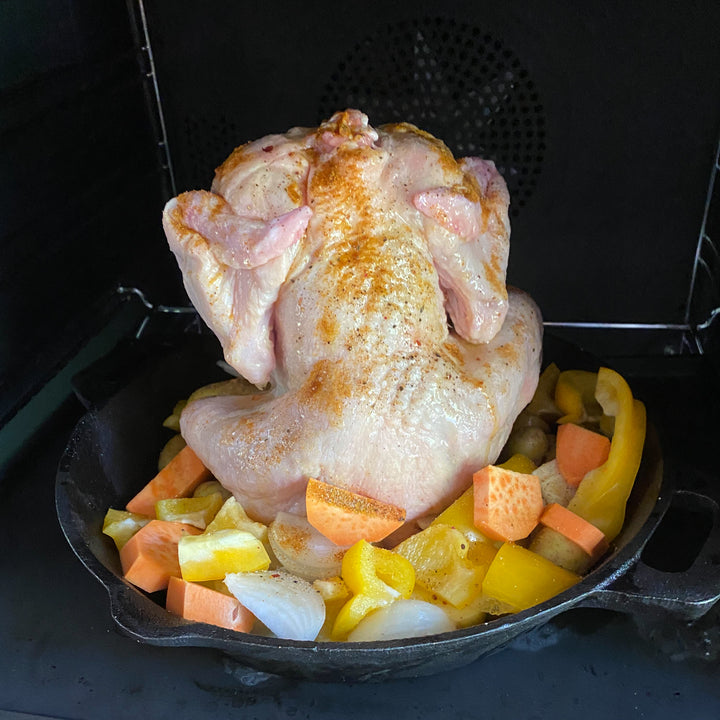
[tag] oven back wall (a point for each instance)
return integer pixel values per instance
(602, 119)
(602, 116)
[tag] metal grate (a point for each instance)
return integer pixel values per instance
(456, 81)
(703, 306)
(157, 115)
(700, 330)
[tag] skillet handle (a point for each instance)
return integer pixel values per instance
(688, 593)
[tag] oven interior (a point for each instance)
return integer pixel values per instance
(602, 118)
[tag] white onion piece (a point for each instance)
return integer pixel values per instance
(402, 619)
(287, 605)
(302, 550)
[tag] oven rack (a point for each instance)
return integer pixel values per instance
(698, 333)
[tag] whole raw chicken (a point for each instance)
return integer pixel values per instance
(327, 261)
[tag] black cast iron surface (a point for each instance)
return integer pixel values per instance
(113, 451)
(62, 656)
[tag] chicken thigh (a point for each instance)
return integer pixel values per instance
(327, 262)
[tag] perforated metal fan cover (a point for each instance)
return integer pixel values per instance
(454, 80)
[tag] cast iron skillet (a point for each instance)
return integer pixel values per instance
(113, 452)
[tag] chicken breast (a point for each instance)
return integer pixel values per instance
(327, 262)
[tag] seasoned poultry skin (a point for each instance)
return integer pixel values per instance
(327, 261)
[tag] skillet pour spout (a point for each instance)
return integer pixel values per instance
(113, 450)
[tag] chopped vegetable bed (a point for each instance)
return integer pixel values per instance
(527, 529)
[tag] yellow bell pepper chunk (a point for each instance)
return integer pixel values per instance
(232, 516)
(543, 401)
(519, 463)
(376, 577)
(121, 525)
(602, 495)
(211, 556)
(335, 593)
(332, 589)
(460, 515)
(519, 578)
(575, 396)
(439, 555)
(195, 511)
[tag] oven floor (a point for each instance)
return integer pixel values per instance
(62, 657)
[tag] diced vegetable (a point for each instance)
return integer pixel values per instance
(376, 577)
(197, 511)
(287, 605)
(402, 619)
(232, 516)
(177, 479)
(302, 550)
(532, 442)
(463, 566)
(527, 419)
(201, 604)
(575, 396)
(171, 448)
(578, 451)
(211, 556)
(482, 552)
(507, 504)
(543, 401)
(332, 589)
(576, 529)
(209, 487)
(439, 556)
(216, 585)
(335, 594)
(520, 578)
(461, 513)
(150, 557)
(519, 463)
(345, 517)
(172, 421)
(471, 614)
(234, 386)
(559, 550)
(554, 487)
(602, 495)
(121, 525)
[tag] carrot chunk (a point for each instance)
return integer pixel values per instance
(507, 504)
(345, 517)
(576, 529)
(578, 451)
(177, 479)
(150, 557)
(201, 604)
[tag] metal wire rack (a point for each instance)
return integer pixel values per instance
(696, 334)
(703, 305)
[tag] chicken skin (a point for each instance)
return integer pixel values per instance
(327, 261)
